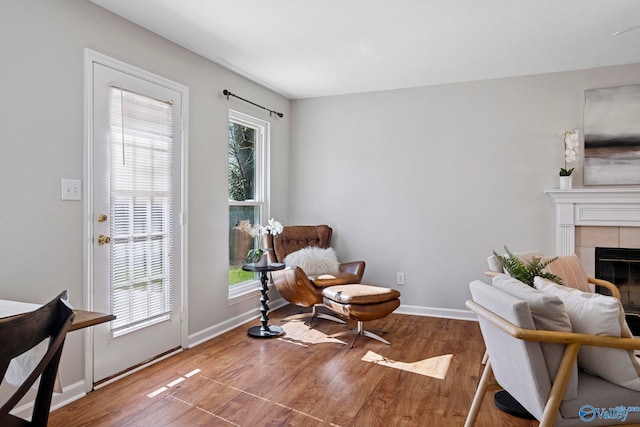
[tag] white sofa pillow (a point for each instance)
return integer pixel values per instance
(314, 261)
(548, 313)
(597, 314)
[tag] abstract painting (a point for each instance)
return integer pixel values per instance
(612, 136)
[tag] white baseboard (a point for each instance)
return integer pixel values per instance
(69, 394)
(229, 324)
(234, 322)
(446, 313)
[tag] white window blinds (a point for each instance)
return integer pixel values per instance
(141, 198)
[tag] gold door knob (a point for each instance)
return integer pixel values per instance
(103, 240)
(102, 217)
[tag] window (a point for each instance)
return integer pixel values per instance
(248, 194)
(142, 149)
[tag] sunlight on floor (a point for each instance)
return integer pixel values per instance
(173, 383)
(298, 333)
(434, 367)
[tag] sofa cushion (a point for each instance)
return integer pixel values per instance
(597, 314)
(607, 395)
(360, 294)
(314, 261)
(549, 314)
(569, 269)
(362, 312)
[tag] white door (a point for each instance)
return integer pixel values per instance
(136, 219)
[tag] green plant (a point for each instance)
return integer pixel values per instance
(254, 255)
(237, 275)
(566, 172)
(525, 272)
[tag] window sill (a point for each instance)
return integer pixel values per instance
(244, 292)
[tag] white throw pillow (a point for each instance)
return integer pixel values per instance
(548, 313)
(314, 261)
(597, 314)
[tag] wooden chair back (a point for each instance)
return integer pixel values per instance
(19, 334)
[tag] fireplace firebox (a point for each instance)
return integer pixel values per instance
(621, 266)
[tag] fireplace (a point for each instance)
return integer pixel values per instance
(621, 266)
(599, 207)
(607, 208)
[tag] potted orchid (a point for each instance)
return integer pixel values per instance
(258, 255)
(571, 142)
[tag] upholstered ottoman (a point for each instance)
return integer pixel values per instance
(361, 303)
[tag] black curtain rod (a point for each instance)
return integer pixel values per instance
(228, 94)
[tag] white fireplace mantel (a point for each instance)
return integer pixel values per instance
(593, 207)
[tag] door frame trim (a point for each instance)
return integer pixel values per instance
(91, 57)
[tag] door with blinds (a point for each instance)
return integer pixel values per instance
(136, 219)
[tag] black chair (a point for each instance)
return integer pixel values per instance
(19, 334)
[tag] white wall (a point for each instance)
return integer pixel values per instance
(41, 141)
(429, 180)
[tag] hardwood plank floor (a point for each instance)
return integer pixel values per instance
(426, 377)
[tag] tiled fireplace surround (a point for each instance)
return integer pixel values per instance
(604, 217)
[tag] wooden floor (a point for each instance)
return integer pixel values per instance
(426, 377)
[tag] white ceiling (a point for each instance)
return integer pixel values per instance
(311, 48)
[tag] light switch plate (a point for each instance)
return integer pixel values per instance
(71, 189)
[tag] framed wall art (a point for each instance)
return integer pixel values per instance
(612, 136)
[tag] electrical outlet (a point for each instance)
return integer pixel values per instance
(399, 278)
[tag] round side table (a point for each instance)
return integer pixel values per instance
(264, 330)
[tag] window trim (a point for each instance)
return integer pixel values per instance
(246, 290)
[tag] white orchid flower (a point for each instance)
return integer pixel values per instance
(572, 140)
(274, 227)
(570, 156)
(571, 143)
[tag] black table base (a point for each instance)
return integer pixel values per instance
(264, 330)
(505, 402)
(258, 332)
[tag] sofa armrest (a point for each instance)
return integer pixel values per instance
(555, 337)
(354, 267)
(295, 287)
(605, 284)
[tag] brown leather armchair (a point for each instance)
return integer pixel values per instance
(292, 283)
